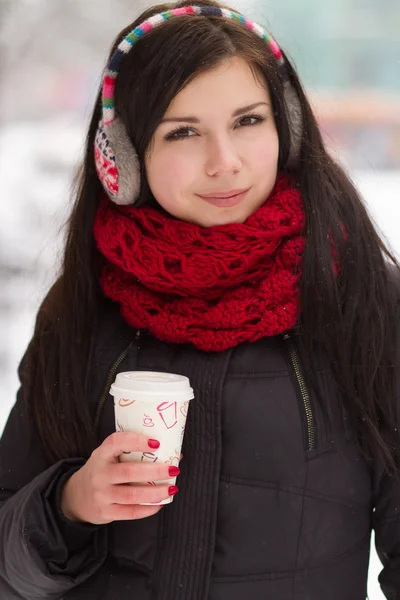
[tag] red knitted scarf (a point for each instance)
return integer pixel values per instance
(212, 287)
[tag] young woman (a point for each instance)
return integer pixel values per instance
(212, 236)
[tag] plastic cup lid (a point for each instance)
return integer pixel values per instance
(148, 384)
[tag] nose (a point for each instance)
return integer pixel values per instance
(222, 157)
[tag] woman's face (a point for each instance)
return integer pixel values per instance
(217, 138)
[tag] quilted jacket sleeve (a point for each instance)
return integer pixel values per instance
(43, 555)
(386, 523)
(386, 515)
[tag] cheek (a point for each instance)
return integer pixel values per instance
(264, 154)
(172, 171)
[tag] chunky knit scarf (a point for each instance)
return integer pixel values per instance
(213, 287)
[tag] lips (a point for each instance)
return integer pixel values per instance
(224, 200)
(228, 194)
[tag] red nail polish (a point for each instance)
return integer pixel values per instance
(174, 471)
(154, 444)
(172, 490)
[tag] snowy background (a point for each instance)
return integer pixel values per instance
(48, 84)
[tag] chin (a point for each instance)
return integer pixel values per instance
(226, 218)
(216, 222)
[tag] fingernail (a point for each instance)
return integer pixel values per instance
(174, 471)
(172, 490)
(154, 444)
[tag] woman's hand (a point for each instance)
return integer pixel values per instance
(99, 492)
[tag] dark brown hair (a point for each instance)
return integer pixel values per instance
(350, 318)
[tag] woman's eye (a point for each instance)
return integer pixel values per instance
(179, 134)
(251, 120)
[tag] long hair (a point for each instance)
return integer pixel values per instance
(348, 316)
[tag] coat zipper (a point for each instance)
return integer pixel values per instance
(110, 379)
(293, 357)
(303, 390)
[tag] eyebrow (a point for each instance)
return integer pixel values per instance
(237, 112)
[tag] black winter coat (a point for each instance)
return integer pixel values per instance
(273, 504)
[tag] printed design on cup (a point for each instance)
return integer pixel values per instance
(182, 432)
(168, 413)
(149, 457)
(123, 402)
(184, 408)
(120, 428)
(147, 421)
(174, 460)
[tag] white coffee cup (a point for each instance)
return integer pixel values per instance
(156, 405)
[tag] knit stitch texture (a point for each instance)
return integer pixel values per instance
(212, 287)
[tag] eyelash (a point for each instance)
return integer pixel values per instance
(172, 135)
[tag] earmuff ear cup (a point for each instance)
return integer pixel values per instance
(117, 163)
(295, 117)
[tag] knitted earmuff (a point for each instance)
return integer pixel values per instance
(117, 163)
